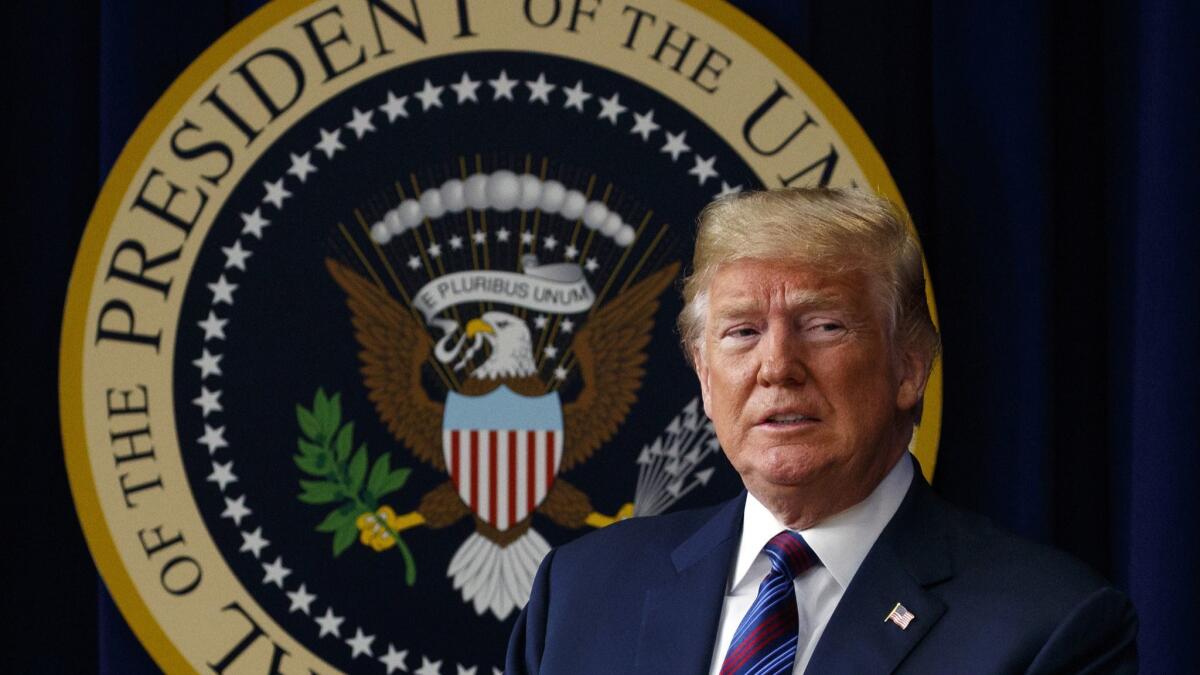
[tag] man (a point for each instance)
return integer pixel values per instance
(806, 321)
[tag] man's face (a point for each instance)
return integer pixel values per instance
(802, 381)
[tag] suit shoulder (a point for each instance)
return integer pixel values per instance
(1020, 568)
(1018, 604)
(639, 538)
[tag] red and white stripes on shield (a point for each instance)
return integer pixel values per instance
(503, 474)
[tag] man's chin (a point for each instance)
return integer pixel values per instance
(785, 480)
(792, 463)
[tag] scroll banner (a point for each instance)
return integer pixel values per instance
(552, 296)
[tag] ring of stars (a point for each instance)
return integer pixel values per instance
(362, 122)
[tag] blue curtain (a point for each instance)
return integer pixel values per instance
(1048, 151)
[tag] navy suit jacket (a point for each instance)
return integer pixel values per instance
(645, 596)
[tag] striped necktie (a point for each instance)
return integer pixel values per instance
(765, 641)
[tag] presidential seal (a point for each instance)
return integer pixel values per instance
(376, 307)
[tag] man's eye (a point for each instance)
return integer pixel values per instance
(742, 332)
(823, 328)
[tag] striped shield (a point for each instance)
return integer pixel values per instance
(502, 451)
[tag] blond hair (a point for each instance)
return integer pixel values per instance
(835, 229)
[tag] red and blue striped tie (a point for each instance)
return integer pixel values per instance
(765, 641)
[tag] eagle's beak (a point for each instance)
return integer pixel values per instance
(475, 326)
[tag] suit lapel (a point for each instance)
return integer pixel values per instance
(910, 555)
(679, 618)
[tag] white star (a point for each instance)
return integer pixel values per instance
(302, 166)
(576, 96)
(394, 107)
(222, 474)
(214, 437)
(527, 238)
(502, 235)
(235, 509)
(727, 189)
(644, 124)
(360, 122)
(560, 373)
(567, 325)
(430, 96)
(611, 108)
(539, 89)
(394, 660)
(209, 401)
(360, 644)
(301, 599)
(434, 250)
(550, 351)
(276, 193)
(465, 89)
(570, 253)
(675, 145)
(429, 667)
(549, 242)
(330, 624)
(463, 670)
(703, 169)
(208, 363)
(502, 87)
(254, 543)
(540, 321)
(222, 291)
(235, 256)
(213, 327)
(275, 573)
(591, 265)
(330, 142)
(479, 237)
(413, 262)
(253, 223)
(456, 242)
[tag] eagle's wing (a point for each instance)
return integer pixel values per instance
(611, 351)
(394, 347)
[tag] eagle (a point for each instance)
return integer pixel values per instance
(511, 348)
(493, 569)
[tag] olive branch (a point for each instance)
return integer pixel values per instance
(325, 451)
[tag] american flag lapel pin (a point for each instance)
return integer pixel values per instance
(900, 616)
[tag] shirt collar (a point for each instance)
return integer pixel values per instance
(841, 541)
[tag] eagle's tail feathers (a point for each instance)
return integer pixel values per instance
(497, 578)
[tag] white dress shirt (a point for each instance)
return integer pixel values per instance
(841, 542)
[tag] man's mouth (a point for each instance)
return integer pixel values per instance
(788, 418)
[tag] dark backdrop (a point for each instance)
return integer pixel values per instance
(1049, 155)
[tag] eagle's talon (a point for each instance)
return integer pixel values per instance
(598, 520)
(377, 530)
(625, 511)
(406, 521)
(372, 529)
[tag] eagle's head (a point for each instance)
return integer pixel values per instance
(510, 342)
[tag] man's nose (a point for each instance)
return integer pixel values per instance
(782, 357)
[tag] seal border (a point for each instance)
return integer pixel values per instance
(79, 290)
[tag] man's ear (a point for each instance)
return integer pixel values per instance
(702, 373)
(915, 365)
